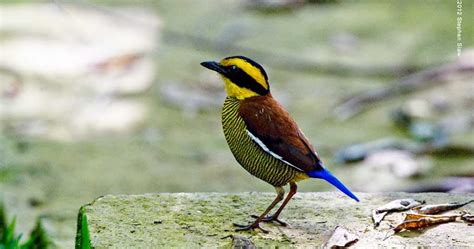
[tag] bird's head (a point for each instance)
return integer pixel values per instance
(242, 76)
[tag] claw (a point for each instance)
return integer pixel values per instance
(252, 226)
(271, 218)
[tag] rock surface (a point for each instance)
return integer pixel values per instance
(189, 220)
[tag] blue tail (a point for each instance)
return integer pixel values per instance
(326, 175)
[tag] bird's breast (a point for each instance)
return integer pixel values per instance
(247, 152)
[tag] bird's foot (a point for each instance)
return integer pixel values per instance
(271, 218)
(252, 226)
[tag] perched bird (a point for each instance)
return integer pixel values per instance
(263, 137)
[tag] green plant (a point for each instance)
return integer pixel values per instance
(82, 237)
(8, 240)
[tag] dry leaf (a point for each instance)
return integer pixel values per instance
(420, 216)
(422, 222)
(341, 238)
(378, 217)
(399, 205)
(440, 208)
(467, 217)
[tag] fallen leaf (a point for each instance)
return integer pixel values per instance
(378, 217)
(440, 208)
(394, 206)
(341, 238)
(420, 216)
(467, 217)
(422, 222)
(399, 205)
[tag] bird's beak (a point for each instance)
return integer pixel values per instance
(326, 175)
(214, 66)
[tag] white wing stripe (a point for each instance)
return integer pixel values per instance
(266, 149)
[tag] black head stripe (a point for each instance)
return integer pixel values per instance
(242, 79)
(253, 63)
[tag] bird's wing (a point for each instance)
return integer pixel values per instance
(272, 128)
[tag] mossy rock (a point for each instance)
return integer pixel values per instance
(190, 220)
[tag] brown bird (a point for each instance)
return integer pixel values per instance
(263, 137)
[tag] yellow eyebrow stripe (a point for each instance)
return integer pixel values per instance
(248, 68)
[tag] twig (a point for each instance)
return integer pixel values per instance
(355, 104)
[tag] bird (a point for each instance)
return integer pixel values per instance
(264, 138)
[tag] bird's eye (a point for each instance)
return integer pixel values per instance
(233, 68)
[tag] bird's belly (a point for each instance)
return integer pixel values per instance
(248, 153)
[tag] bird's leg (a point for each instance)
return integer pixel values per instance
(256, 223)
(274, 217)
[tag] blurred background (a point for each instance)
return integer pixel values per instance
(108, 97)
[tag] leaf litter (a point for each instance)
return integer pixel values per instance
(394, 206)
(421, 216)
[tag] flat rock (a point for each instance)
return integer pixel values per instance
(189, 220)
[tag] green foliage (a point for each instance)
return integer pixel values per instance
(82, 237)
(7, 232)
(38, 238)
(3, 221)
